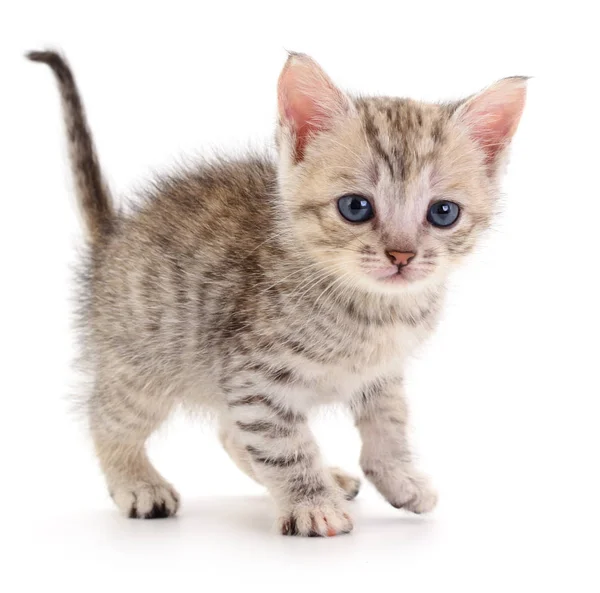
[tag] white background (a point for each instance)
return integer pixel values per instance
(505, 397)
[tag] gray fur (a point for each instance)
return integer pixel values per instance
(236, 286)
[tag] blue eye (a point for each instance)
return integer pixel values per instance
(443, 213)
(355, 208)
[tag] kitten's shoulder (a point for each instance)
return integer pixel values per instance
(216, 200)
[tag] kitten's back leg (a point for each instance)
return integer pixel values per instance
(121, 420)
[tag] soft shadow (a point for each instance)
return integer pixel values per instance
(245, 514)
(223, 521)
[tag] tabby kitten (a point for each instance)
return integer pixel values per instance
(264, 287)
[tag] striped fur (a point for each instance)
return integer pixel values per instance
(236, 286)
(91, 189)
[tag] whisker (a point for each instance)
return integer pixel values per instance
(281, 280)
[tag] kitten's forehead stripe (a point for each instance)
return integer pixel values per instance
(404, 134)
(372, 133)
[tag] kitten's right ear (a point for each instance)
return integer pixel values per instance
(308, 101)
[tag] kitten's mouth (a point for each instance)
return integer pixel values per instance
(400, 276)
(395, 275)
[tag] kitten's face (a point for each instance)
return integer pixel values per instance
(389, 194)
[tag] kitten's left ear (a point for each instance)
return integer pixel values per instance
(308, 101)
(493, 115)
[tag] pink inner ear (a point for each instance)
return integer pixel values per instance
(308, 100)
(493, 116)
(304, 117)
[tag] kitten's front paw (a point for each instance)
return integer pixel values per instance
(313, 519)
(405, 488)
(146, 501)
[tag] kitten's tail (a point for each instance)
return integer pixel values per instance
(93, 195)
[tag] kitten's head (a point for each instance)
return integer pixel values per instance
(389, 193)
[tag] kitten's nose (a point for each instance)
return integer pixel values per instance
(399, 258)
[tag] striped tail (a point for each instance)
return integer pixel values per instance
(93, 196)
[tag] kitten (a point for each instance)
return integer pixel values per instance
(261, 288)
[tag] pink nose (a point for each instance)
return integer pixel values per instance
(399, 258)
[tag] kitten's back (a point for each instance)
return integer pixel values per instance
(165, 270)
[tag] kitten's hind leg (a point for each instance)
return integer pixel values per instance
(349, 484)
(121, 421)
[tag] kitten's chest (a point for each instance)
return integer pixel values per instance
(377, 353)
